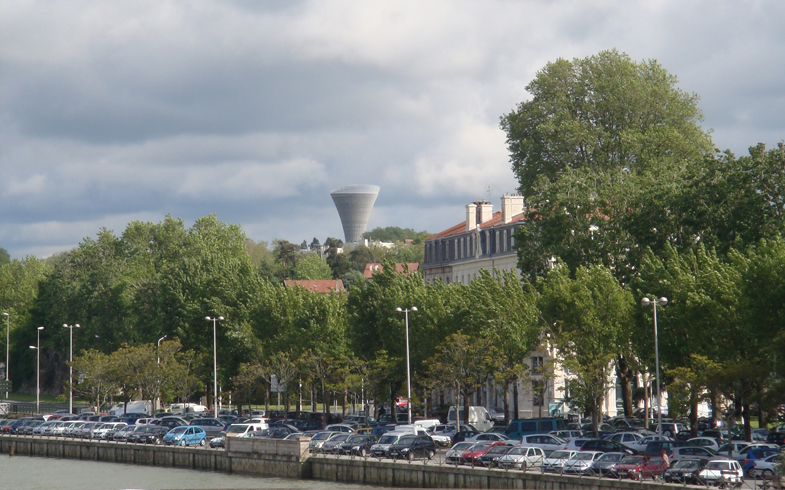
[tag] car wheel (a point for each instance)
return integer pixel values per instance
(765, 472)
(202, 442)
(182, 442)
(753, 473)
(431, 454)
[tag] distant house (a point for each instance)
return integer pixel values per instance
(322, 286)
(371, 268)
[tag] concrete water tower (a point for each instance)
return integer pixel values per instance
(354, 204)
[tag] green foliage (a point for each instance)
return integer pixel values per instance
(396, 234)
(590, 318)
(312, 267)
(604, 112)
(5, 257)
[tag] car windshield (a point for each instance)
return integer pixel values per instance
(632, 460)
(687, 464)
(340, 438)
(356, 439)
(610, 457)
(405, 440)
(560, 455)
(717, 465)
(583, 456)
(462, 446)
(481, 447)
(516, 451)
(320, 436)
(387, 439)
(178, 430)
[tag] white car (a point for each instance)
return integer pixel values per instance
(453, 455)
(441, 439)
(738, 449)
(522, 458)
(641, 444)
(626, 438)
(721, 470)
(555, 461)
(707, 442)
(546, 442)
(582, 462)
(566, 434)
(492, 437)
(764, 467)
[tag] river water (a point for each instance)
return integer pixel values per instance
(29, 473)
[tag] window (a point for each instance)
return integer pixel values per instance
(537, 365)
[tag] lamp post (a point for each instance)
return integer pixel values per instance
(37, 348)
(158, 357)
(158, 361)
(71, 368)
(408, 372)
(7, 348)
(215, 320)
(646, 301)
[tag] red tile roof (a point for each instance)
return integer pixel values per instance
(371, 268)
(460, 228)
(322, 286)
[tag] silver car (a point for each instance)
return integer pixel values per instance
(522, 458)
(581, 463)
(555, 461)
(546, 442)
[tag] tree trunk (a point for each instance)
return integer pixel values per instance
(517, 412)
(625, 375)
(763, 418)
(507, 403)
(466, 402)
(745, 414)
(694, 416)
(645, 399)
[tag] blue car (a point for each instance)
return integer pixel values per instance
(759, 453)
(186, 435)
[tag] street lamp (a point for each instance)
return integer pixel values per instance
(408, 372)
(71, 368)
(7, 348)
(158, 361)
(215, 360)
(158, 347)
(654, 302)
(38, 372)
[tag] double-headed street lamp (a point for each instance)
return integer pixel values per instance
(408, 372)
(646, 301)
(7, 348)
(37, 348)
(71, 368)
(215, 360)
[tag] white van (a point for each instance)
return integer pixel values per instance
(427, 424)
(410, 429)
(184, 408)
(479, 418)
(244, 429)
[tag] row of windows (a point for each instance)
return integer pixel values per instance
(482, 242)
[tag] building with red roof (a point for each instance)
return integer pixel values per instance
(322, 286)
(371, 268)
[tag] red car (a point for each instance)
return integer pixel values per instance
(639, 467)
(472, 455)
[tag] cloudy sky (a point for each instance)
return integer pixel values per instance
(254, 110)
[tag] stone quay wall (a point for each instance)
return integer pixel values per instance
(290, 459)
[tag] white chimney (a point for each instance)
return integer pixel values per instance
(511, 206)
(484, 211)
(471, 217)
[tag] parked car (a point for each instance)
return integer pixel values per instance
(492, 455)
(671, 429)
(581, 462)
(546, 442)
(684, 471)
(471, 456)
(707, 442)
(721, 470)
(331, 445)
(555, 461)
(455, 454)
(522, 458)
(491, 437)
(606, 446)
(521, 427)
(217, 442)
(625, 438)
(604, 465)
(764, 467)
(186, 436)
(212, 427)
(691, 452)
(567, 434)
(655, 448)
(414, 446)
(777, 438)
(757, 454)
(640, 445)
(464, 434)
(640, 467)
(316, 442)
(357, 444)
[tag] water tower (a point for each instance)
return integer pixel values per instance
(354, 204)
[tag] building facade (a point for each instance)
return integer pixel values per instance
(486, 240)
